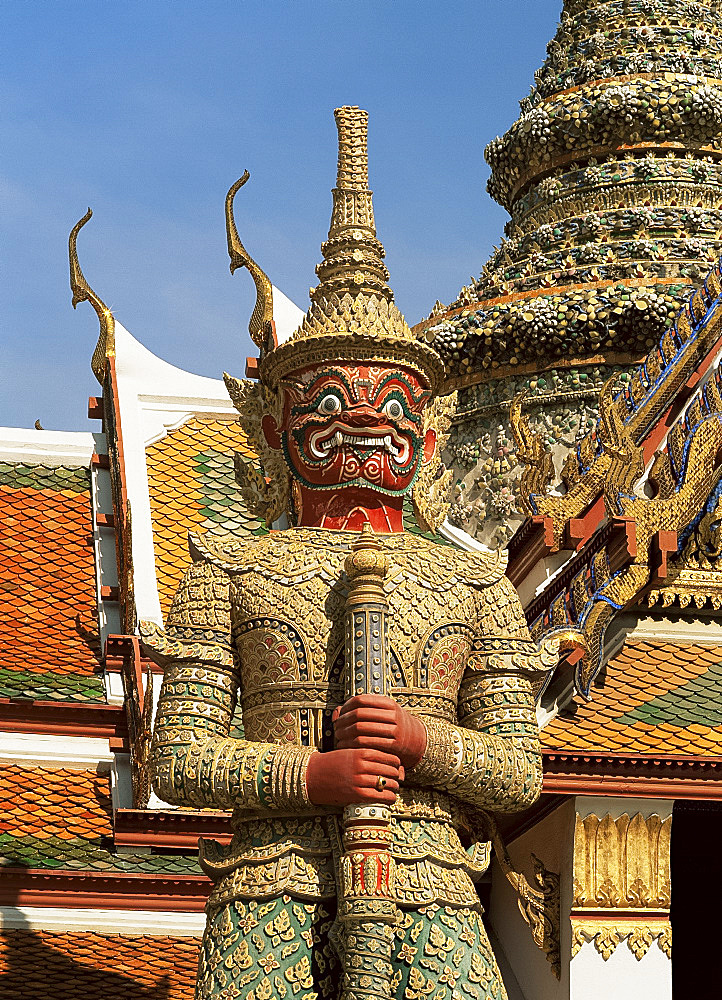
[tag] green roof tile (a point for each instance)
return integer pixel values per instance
(223, 504)
(698, 701)
(50, 686)
(17, 475)
(88, 855)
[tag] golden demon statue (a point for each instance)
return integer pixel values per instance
(384, 678)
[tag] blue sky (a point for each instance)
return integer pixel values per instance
(149, 111)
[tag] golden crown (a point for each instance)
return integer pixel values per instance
(352, 315)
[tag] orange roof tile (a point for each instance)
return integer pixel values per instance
(192, 486)
(47, 573)
(653, 698)
(63, 803)
(62, 819)
(87, 966)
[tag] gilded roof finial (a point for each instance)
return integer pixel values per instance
(82, 292)
(352, 256)
(260, 326)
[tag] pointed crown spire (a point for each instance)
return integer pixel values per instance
(352, 315)
(352, 255)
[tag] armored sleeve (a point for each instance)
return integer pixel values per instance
(492, 758)
(195, 760)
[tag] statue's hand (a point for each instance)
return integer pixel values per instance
(374, 722)
(348, 777)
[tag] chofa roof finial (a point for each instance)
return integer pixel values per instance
(260, 325)
(82, 292)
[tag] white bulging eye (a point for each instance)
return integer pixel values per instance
(394, 409)
(329, 404)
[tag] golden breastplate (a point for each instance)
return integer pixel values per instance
(287, 617)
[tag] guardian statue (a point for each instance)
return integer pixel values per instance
(385, 678)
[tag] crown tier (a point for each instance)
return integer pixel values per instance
(352, 256)
(352, 315)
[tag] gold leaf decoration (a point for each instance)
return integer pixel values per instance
(430, 494)
(266, 493)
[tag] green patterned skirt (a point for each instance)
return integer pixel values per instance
(281, 949)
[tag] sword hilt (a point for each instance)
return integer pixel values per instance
(366, 614)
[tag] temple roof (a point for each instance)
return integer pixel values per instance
(84, 965)
(49, 647)
(62, 819)
(654, 697)
(192, 486)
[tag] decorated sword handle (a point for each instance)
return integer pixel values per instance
(366, 617)
(367, 907)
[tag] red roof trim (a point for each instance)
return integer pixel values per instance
(40, 887)
(116, 453)
(639, 787)
(633, 759)
(60, 718)
(634, 775)
(172, 830)
(533, 542)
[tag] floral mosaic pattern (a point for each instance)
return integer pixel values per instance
(612, 179)
(285, 948)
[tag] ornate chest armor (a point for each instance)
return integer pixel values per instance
(263, 623)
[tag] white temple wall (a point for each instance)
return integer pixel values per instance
(552, 841)
(609, 966)
(621, 976)
(589, 975)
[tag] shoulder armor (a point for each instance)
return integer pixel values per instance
(298, 554)
(286, 556)
(165, 648)
(451, 565)
(226, 551)
(481, 569)
(198, 623)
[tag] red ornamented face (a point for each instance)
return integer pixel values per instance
(353, 425)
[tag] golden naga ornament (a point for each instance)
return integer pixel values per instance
(260, 325)
(385, 682)
(82, 292)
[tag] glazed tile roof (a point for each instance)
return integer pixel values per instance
(62, 819)
(30, 799)
(192, 486)
(88, 966)
(47, 585)
(654, 697)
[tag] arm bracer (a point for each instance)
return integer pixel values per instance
(492, 758)
(195, 761)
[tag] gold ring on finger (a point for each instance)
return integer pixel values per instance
(381, 783)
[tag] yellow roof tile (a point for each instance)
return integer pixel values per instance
(654, 697)
(192, 487)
